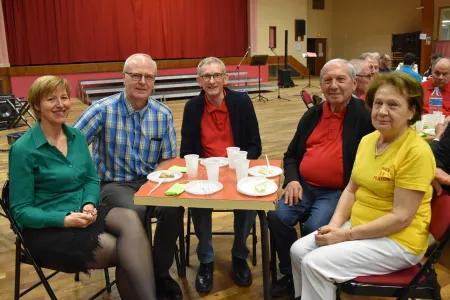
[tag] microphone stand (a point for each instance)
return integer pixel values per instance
(238, 67)
(278, 74)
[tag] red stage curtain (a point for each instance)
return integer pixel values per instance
(71, 31)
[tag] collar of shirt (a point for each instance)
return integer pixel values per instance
(327, 113)
(429, 85)
(130, 109)
(40, 139)
(210, 107)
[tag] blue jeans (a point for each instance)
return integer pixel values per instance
(315, 209)
(243, 223)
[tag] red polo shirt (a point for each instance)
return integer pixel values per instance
(445, 92)
(322, 164)
(215, 130)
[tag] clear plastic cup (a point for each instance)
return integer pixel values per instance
(212, 170)
(230, 152)
(191, 161)
(241, 166)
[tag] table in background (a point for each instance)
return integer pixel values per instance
(227, 198)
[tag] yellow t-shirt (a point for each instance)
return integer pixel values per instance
(407, 163)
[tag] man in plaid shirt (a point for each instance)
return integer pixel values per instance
(130, 134)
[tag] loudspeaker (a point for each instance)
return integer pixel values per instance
(300, 28)
(284, 78)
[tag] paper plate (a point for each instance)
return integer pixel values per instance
(222, 161)
(256, 186)
(429, 131)
(203, 187)
(156, 176)
(263, 171)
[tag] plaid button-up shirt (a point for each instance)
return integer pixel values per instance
(128, 144)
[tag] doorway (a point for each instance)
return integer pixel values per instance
(318, 46)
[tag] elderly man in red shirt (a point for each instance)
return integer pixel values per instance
(318, 163)
(440, 77)
(212, 121)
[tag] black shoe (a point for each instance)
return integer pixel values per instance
(204, 279)
(241, 273)
(283, 287)
(167, 288)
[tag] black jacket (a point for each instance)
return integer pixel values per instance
(357, 123)
(244, 124)
(441, 151)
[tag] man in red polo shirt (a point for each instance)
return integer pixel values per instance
(440, 77)
(212, 121)
(318, 163)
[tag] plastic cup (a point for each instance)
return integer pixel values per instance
(230, 152)
(419, 126)
(191, 161)
(241, 165)
(212, 170)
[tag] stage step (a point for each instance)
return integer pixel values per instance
(167, 87)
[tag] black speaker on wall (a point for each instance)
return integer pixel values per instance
(300, 28)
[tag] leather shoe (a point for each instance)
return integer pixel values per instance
(204, 279)
(241, 273)
(167, 288)
(283, 287)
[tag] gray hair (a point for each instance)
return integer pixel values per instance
(371, 55)
(138, 56)
(433, 65)
(358, 64)
(338, 61)
(208, 61)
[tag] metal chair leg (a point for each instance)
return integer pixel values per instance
(188, 236)
(254, 241)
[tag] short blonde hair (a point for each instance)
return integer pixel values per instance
(44, 86)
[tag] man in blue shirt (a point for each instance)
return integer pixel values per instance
(408, 62)
(131, 133)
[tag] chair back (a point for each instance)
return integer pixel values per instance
(4, 202)
(440, 216)
(307, 98)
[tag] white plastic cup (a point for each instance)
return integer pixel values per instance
(230, 152)
(438, 117)
(212, 170)
(191, 161)
(241, 165)
(419, 126)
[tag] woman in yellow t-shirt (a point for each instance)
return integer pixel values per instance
(380, 224)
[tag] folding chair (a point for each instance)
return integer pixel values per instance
(307, 99)
(419, 281)
(23, 255)
(189, 233)
(179, 251)
(21, 108)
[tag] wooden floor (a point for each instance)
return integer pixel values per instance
(277, 120)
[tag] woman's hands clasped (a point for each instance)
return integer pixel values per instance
(81, 219)
(328, 235)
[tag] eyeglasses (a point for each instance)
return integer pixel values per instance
(216, 76)
(139, 76)
(368, 76)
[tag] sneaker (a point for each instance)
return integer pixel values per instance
(241, 273)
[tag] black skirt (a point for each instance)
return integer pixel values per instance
(68, 250)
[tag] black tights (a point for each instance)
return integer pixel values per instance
(124, 244)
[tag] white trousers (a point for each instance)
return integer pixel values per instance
(316, 269)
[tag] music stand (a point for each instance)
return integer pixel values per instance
(279, 83)
(259, 60)
(309, 55)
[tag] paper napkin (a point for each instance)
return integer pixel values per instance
(175, 189)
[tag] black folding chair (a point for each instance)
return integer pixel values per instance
(189, 233)
(419, 281)
(23, 255)
(20, 109)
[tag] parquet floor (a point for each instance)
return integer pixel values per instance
(277, 120)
